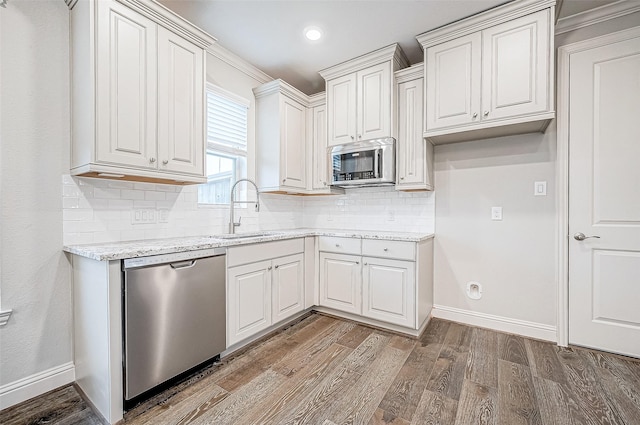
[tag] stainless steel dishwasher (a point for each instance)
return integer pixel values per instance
(174, 315)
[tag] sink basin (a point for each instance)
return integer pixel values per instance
(244, 235)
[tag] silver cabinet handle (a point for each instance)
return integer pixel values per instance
(486, 113)
(581, 236)
(269, 268)
(475, 115)
(152, 160)
(352, 138)
(386, 249)
(165, 162)
(357, 262)
(277, 266)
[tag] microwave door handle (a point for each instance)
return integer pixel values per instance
(376, 160)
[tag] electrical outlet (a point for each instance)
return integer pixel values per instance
(496, 213)
(144, 216)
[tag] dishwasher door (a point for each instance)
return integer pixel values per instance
(174, 319)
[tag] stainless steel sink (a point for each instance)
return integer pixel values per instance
(244, 235)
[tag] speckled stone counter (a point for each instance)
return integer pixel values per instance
(143, 248)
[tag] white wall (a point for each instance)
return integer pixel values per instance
(34, 105)
(513, 259)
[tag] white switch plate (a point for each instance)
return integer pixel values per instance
(496, 213)
(540, 188)
(144, 216)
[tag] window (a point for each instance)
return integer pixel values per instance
(226, 159)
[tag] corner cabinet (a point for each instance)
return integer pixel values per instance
(137, 92)
(281, 149)
(491, 75)
(360, 96)
(414, 155)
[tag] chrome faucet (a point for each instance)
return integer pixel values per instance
(232, 223)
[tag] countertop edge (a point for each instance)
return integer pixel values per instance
(143, 248)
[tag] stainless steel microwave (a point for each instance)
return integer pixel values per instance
(365, 163)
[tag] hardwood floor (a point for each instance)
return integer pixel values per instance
(328, 371)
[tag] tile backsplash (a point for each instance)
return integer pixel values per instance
(99, 210)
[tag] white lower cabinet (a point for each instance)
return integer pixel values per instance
(340, 282)
(388, 290)
(249, 303)
(267, 290)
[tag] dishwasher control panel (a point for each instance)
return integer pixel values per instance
(131, 263)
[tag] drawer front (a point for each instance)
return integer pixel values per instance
(340, 245)
(245, 254)
(389, 249)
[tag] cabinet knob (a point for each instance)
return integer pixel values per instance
(357, 262)
(269, 268)
(401, 178)
(277, 266)
(324, 183)
(152, 160)
(284, 181)
(475, 115)
(366, 264)
(359, 136)
(337, 245)
(486, 113)
(352, 138)
(386, 249)
(165, 161)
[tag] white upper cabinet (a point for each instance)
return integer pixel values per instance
(490, 75)
(360, 96)
(137, 92)
(318, 156)
(281, 139)
(414, 155)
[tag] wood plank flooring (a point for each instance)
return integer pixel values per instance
(328, 371)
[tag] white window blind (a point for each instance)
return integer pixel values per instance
(226, 121)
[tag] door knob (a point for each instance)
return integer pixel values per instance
(581, 236)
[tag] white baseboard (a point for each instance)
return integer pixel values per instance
(34, 385)
(498, 323)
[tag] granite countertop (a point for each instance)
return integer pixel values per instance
(143, 248)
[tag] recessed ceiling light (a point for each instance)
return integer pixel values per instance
(313, 33)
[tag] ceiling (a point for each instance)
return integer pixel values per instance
(269, 33)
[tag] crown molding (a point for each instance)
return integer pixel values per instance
(412, 73)
(170, 20)
(392, 53)
(317, 99)
(238, 63)
(596, 15)
(282, 87)
(483, 20)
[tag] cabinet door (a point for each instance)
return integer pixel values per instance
(374, 102)
(389, 291)
(340, 282)
(453, 82)
(293, 142)
(410, 150)
(287, 286)
(320, 178)
(515, 73)
(180, 105)
(125, 87)
(341, 108)
(248, 300)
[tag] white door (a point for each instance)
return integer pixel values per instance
(126, 87)
(287, 286)
(248, 300)
(180, 105)
(604, 197)
(515, 67)
(341, 107)
(388, 291)
(340, 282)
(410, 149)
(293, 143)
(453, 82)
(320, 173)
(373, 107)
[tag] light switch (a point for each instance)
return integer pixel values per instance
(540, 188)
(496, 213)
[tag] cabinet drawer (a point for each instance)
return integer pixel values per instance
(389, 249)
(246, 254)
(340, 245)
